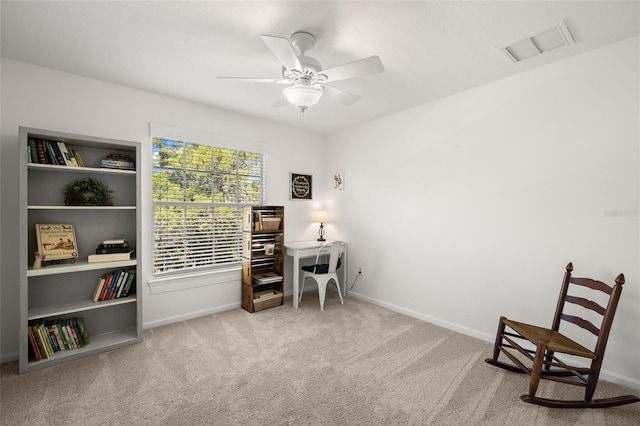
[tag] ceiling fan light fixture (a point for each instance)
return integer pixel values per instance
(303, 96)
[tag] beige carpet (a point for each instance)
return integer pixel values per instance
(353, 364)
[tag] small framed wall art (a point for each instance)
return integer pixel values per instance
(300, 186)
(338, 181)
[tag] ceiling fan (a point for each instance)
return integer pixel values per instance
(306, 79)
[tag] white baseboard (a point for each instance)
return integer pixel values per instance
(191, 315)
(9, 357)
(490, 338)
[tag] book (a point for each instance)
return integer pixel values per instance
(40, 150)
(112, 285)
(115, 242)
(75, 332)
(64, 326)
(74, 158)
(37, 332)
(107, 250)
(96, 293)
(45, 338)
(82, 328)
(130, 285)
(257, 221)
(65, 154)
(105, 289)
(35, 350)
(109, 257)
(79, 158)
(62, 341)
(117, 289)
(75, 341)
(53, 339)
(33, 151)
(43, 348)
(267, 278)
(56, 241)
(58, 153)
(50, 153)
(124, 285)
(54, 330)
(117, 164)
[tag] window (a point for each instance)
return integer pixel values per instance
(198, 194)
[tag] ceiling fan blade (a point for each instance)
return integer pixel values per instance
(281, 47)
(340, 95)
(257, 80)
(370, 65)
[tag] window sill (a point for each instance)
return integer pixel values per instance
(200, 279)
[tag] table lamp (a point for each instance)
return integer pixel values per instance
(321, 217)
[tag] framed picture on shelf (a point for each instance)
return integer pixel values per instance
(56, 241)
(300, 186)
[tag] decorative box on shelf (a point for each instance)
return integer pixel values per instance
(266, 299)
(270, 223)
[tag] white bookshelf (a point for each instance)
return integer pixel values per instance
(65, 290)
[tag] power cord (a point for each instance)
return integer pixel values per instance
(354, 283)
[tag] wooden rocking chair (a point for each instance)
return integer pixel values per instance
(547, 342)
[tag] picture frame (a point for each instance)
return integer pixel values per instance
(300, 186)
(56, 241)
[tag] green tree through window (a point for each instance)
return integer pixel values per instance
(198, 195)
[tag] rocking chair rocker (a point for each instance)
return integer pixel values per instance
(548, 342)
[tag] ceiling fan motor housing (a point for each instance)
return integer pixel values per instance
(310, 68)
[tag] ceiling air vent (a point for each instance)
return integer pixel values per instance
(543, 40)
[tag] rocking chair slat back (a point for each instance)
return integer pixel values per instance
(581, 322)
(588, 304)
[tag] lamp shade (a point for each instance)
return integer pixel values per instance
(321, 216)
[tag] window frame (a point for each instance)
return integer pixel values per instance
(213, 141)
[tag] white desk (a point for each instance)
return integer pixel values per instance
(304, 249)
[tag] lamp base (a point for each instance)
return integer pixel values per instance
(321, 232)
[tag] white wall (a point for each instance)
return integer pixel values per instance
(469, 208)
(46, 99)
(459, 211)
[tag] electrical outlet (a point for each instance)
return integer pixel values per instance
(359, 270)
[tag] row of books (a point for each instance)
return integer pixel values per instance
(115, 285)
(46, 337)
(44, 151)
(118, 161)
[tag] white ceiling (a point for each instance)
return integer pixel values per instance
(430, 49)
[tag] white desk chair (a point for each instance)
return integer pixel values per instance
(323, 273)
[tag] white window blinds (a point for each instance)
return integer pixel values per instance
(198, 194)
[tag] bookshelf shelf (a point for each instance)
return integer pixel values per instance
(89, 170)
(57, 292)
(76, 307)
(79, 266)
